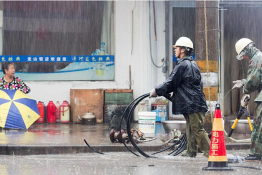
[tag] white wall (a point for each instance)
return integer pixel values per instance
(144, 74)
(160, 44)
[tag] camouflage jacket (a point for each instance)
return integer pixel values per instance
(253, 82)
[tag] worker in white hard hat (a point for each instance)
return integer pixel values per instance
(188, 98)
(246, 49)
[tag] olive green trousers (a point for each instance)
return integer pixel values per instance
(256, 135)
(196, 134)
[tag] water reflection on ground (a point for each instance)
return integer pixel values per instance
(73, 135)
(116, 163)
(63, 134)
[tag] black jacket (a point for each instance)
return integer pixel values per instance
(185, 83)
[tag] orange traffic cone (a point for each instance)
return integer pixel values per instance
(217, 159)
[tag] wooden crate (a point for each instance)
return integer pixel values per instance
(84, 100)
(116, 101)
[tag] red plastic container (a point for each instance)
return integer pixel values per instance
(41, 109)
(51, 110)
(57, 114)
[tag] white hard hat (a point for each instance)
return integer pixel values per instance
(241, 44)
(184, 41)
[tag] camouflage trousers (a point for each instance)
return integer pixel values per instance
(256, 135)
(196, 134)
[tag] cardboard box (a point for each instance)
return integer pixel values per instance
(86, 100)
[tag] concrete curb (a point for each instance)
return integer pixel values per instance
(73, 149)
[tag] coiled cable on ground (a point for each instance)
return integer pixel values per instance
(182, 147)
(128, 113)
(176, 143)
(129, 129)
(128, 120)
(92, 148)
(122, 118)
(183, 139)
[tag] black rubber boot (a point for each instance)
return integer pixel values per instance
(186, 154)
(252, 158)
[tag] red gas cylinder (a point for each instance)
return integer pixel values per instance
(51, 110)
(45, 111)
(57, 114)
(41, 110)
(65, 112)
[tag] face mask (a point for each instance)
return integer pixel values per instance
(241, 54)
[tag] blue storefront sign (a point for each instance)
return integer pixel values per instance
(55, 58)
(62, 67)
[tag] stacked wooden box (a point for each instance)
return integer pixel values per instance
(103, 103)
(116, 101)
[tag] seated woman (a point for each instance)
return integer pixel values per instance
(9, 81)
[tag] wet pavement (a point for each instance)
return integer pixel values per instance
(68, 138)
(60, 149)
(63, 138)
(118, 164)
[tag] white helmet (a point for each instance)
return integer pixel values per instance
(241, 44)
(184, 41)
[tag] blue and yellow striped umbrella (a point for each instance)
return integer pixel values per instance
(17, 110)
